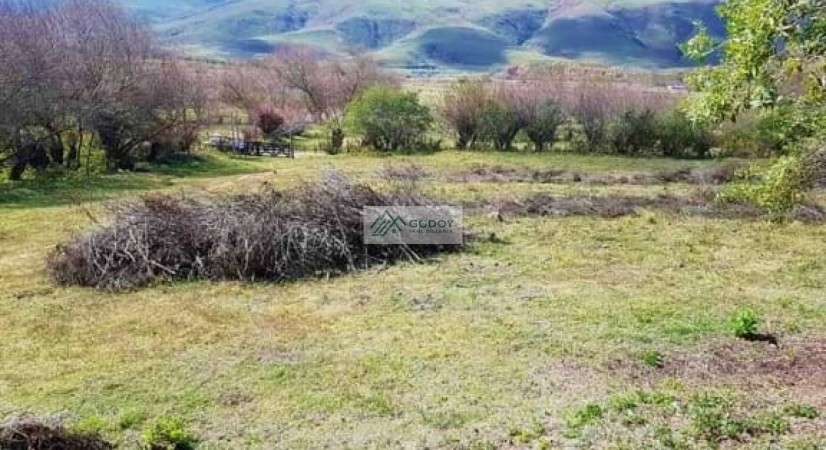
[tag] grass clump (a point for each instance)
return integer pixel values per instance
(714, 418)
(309, 231)
(802, 411)
(744, 324)
(704, 419)
(583, 417)
(652, 358)
(167, 434)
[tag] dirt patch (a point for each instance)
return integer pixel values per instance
(30, 434)
(612, 206)
(797, 366)
(408, 172)
(502, 174)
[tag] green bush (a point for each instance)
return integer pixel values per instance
(745, 323)
(634, 132)
(781, 187)
(680, 138)
(758, 135)
(167, 434)
(500, 125)
(542, 128)
(389, 119)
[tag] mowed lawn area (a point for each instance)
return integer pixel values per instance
(547, 332)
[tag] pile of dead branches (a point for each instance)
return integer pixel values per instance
(31, 434)
(313, 230)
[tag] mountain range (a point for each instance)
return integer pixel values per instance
(439, 34)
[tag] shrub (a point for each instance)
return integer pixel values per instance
(591, 109)
(312, 230)
(167, 434)
(680, 138)
(462, 108)
(783, 185)
(543, 123)
(598, 107)
(753, 135)
(267, 120)
(634, 132)
(500, 125)
(175, 141)
(744, 324)
(389, 118)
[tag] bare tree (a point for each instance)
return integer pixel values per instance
(251, 84)
(164, 109)
(326, 87)
(541, 111)
(82, 66)
(462, 107)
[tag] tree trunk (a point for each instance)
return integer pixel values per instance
(18, 166)
(154, 152)
(56, 149)
(337, 139)
(119, 160)
(31, 155)
(75, 144)
(466, 141)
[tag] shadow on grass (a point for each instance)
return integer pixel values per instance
(762, 337)
(78, 188)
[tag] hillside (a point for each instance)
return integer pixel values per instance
(453, 34)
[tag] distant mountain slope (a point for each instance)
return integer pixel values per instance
(461, 34)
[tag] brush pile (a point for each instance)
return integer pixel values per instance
(313, 230)
(31, 434)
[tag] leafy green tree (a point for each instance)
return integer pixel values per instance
(389, 119)
(774, 58)
(500, 124)
(543, 122)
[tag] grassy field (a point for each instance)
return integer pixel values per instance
(555, 332)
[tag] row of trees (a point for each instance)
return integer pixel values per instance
(83, 69)
(592, 117)
(82, 74)
(300, 85)
(622, 118)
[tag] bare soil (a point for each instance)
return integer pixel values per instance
(794, 367)
(502, 174)
(613, 206)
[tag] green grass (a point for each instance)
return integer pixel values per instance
(77, 187)
(503, 342)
